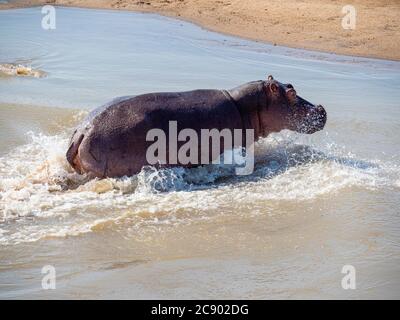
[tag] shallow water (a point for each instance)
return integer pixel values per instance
(313, 204)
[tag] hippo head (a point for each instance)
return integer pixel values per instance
(290, 111)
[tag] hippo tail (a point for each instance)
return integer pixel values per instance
(72, 151)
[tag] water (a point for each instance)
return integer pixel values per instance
(314, 203)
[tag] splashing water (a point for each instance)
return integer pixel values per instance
(16, 69)
(41, 193)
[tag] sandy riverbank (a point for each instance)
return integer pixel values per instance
(309, 24)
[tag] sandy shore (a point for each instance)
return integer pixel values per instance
(308, 24)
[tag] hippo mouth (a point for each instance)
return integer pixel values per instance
(314, 120)
(308, 118)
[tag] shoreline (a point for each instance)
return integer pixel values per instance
(339, 41)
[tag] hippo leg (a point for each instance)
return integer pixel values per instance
(73, 151)
(83, 160)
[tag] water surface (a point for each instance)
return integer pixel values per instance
(313, 204)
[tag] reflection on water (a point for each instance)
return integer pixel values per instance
(313, 203)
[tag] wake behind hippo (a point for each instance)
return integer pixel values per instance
(179, 128)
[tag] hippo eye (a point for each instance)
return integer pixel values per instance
(289, 86)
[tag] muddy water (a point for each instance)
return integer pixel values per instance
(314, 203)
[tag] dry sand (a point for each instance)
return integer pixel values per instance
(308, 24)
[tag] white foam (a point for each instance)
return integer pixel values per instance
(20, 70)
(41, 196)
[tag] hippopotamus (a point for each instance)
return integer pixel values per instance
(113, 140)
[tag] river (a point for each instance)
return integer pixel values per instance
(314, 203)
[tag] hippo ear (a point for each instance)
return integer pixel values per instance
(270, 78)
(274, 87)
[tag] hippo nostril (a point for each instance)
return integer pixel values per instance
(321, 109)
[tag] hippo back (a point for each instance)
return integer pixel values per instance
(114, 135)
